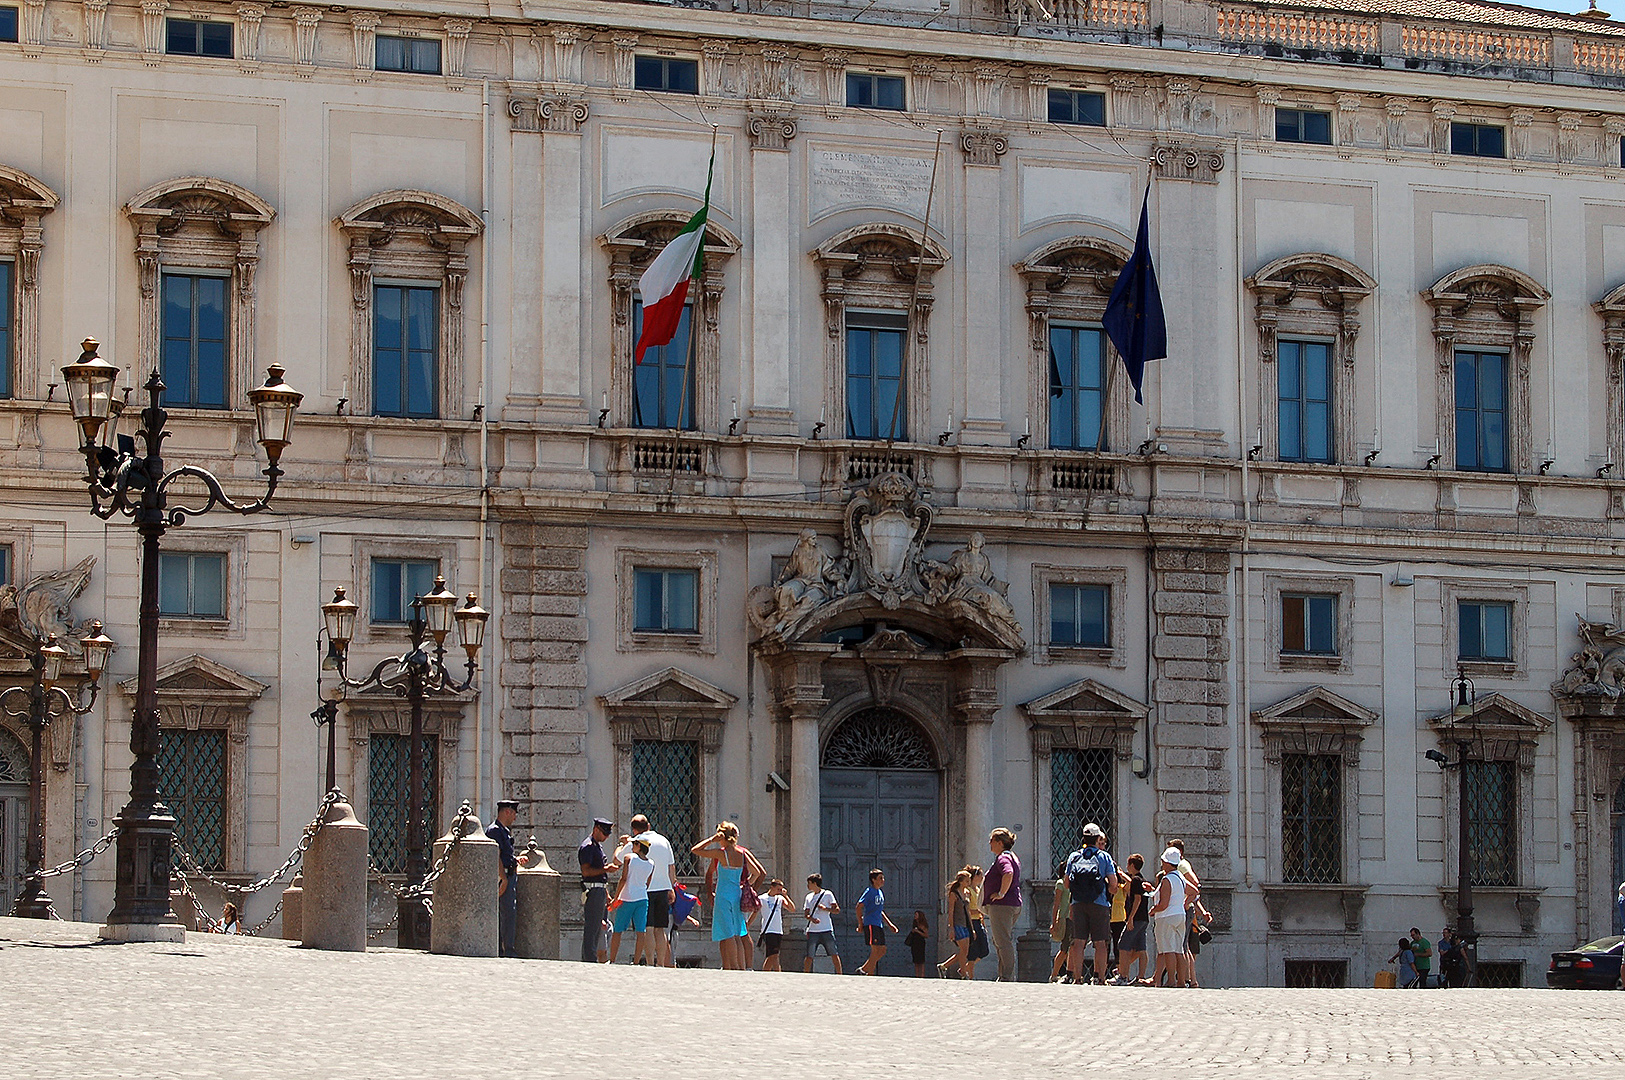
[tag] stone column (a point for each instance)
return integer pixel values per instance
(334, 908)
(771, 264)
(536, 931)
(561, 262)
(465, 895)
(525, 286)
(982, 409)
(978, 751)
(805, 848)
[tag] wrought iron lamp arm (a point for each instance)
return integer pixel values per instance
(57, 702)
(217, 496)
(110, 485)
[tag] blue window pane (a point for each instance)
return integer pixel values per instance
(889, 93)
(8, 24)
(1469, 644)
(888, 420)
(214, 39)
(683, 76)
(648, 73)
(1290, 354)
(650, 600)
(208, 586)
(1063, 611)
(386, 590)
(5, 329)
(173, 587)
(1493, 442)
(888, 346)
(1491, 384)
(1321, 616)
(857, 352)
(1316, 373)
(1092, 616)
(420, 318)
(860, 415)
(419, 577)
(386, 326)
(426, 57)
(680, 600)
(1317, 127)
(211, 375)
(1291, 430)
(390, 54)
(181, 37)
(1497, 636)
(1317, 424)
(1466, 381)
(1461, 139)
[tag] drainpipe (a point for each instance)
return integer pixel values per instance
(483, 701)
(1243, 590)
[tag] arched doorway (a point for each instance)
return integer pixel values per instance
(880, 797)
(14, 776)
(1619, 851)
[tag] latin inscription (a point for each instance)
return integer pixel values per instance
(842, 178)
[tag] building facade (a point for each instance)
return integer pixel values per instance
(880, 551)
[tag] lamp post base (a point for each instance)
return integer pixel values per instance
(411, 924)
(33, 903)
(124, 933)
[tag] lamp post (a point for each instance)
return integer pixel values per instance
(415, 674)
(1466, 931)
(45, 702)
(121, 481)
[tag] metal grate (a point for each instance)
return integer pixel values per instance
(1311, 818)
(879, 738)
(389, 795)
(665, 789)
(192, 778)
(13, 759)
(1500, 974)
(660, 457)
(1073, 477)
(1317, 974)
(1491, 791)
(1080, 792)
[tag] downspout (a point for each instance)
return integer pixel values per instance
(483, 701)
(1243, 590)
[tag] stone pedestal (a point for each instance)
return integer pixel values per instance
(465, 895)
(793, 949)
(293, 899)
(1033, 957)
(334, 907)
(536, 935)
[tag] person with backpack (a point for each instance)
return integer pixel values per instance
(1091, 877)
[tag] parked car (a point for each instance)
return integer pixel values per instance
(1593, 966)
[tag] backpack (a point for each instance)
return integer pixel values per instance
(1083, 877)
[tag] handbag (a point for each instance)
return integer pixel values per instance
(748, 900)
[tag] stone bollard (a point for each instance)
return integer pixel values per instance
(536, 934)
(465, 894)
(333, 913)
(1033, 957)
(293, 898)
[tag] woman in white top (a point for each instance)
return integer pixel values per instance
(632, 910)
(231, 921)
(1168, 919)
(775, 902)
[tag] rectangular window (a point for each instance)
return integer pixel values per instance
(1481, 411)
(396, 583)
(192, 776)
(1080, 793)
(874, 375)
(5, 564)
(1500, 974)
(1311, 818)
(1303, 126)
(665, 789)
(1077, 387)
(1309, 624)
(663, 385)
(389, 795)
(1478, 140)
(666, 73)
(405, 350)
(1484, 631)
(192, 586)
(667, 602)
(1078, 615)
(194, 332)
(868, 91)
(415, 56)
(1304, 394)
(1491, 791)
(1077, 107)
(1317, 974)
(5, 327)
(8, 24)
(194, 37)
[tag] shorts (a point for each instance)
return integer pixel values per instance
(1170, 934)
(961, 933)
(1092, 922)
(874, 935)
(1067, 931)
(821, 939)
(770, 944)
(978, 941)
(631, 915)
(1133, 939)
(659, 909)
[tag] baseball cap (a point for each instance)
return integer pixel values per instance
(1172, 856)
(1091, 830)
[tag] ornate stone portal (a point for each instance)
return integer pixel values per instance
(1591, 696)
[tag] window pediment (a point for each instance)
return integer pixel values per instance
(672, 691)
(1316, 706)
(1083, 715)
(1326, 279)
(880, 250)
(640, 237)
(199, 201)
(23, 199)
(412, 211)
(1500, 289)
(195, 675)
(1498, 729)
(1075, 261)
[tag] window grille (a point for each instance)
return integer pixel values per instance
(1491, 793)
(879, 738)
(1311, 818)
(665, 789)
(1317, 974)
(13, 759)
(1500, 974)
(389, 795)
(1080, 792)
(192, 777)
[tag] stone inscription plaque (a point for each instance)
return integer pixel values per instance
(846, 178)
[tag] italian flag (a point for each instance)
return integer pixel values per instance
(664, 285)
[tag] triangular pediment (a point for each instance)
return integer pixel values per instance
(199, 675)
(1493, 712)
(1084, 699)
(672, 689)
(1316, 705)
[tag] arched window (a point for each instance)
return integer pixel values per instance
(1612, 310)
(23, 202)
(879, 738)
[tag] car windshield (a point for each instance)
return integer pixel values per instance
(1607, 944)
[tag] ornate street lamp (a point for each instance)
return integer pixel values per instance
(45, 702)
(121, 481)
(415, 674)
(1462, 696)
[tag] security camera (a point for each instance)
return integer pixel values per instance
(1435, 756)
(775, 782)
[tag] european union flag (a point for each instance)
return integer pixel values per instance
(1133, 318)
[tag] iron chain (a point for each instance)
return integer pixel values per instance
(378, 876)
(80, 859)
(293, 859)
(424, 890)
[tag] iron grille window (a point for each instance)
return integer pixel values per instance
(1077, 615)
(874, 375)
(14, 759)
(1311, 818)
(1483, 631)
(1491, 791)
(1304, 393)
(5, 564)
(405, 350)
(665, 789)
(879, 738)
(194, 37)
(868, 91)
(5, 303)
(663, 384)
(1303, 126)
(1077, 107)
(389, 795)
(192, 586)
(1317, 974)
(673, 75)
(1077, 387)
(396, 583)
(1500, 974)
(1080, 792)
(192, 777)
(1478, 140)
(666, 601)
(414, 56)
(1309, 624)
(8, 24)
(194, 318)
(1481, 411)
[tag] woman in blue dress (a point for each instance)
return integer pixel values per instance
(728, 928)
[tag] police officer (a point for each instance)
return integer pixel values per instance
(508, 887)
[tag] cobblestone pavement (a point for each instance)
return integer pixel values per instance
(238, 1007)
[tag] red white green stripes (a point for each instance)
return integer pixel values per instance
(664, 285)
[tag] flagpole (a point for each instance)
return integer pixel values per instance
(914, 294)
(695, 312)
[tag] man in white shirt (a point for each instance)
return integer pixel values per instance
(660, 887)
(819, 910)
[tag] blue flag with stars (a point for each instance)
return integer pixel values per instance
(1133, 318)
